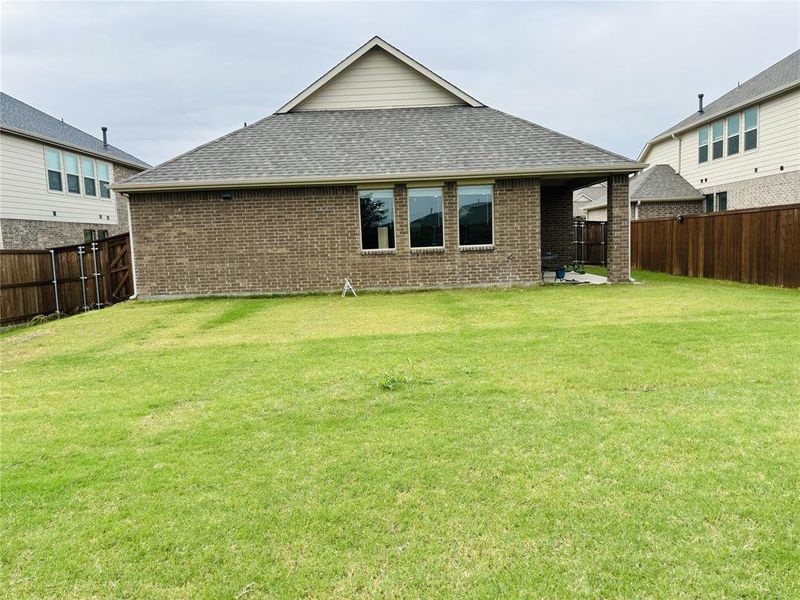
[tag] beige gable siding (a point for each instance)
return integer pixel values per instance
(24, 193)
(778, 145)
(378, 80)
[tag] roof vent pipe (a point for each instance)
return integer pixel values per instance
(105, 136)
(700, 103)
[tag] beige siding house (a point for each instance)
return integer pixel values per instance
(55, 181)
(743, 149)
(380, 172)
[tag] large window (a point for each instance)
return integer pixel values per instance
(722, 201)
(702, 140)
(750, 129)
(73, 175)
(425, 223)
(733, 134)
(89, 182)
(103, 173)
(53, 160)
(709, 199)
(377, 219)
(475, 206)
(717, 133)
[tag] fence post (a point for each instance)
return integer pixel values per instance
(96, 275)
(55, 279)
(83, 277)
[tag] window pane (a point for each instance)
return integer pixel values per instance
(88, 235)
(71, 164)
(88, 167)
(703, 136)
(102, 171)
(718, 130)
(53, 160)
(102, 234)
(703, 153)
(733, 125)
(733, 145)
(89, 186)
(73, 184)
(475, 215)
(722, 201)
(377, 219)
(751, 118)
(54, 181)
(709, 203)
(750, 139)
(717, 149)
(104, 191)
(425, 208)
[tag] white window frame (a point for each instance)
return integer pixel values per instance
(47, 169)
(707, 145)
(360, 228)
(757, 108)
(729, 135)
(440, 189)
(459, 187)
(80, 174)
(97, 164)
(714, 140)
(96, 196)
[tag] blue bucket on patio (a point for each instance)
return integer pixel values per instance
(561, 272)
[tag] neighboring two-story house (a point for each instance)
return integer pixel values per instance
(743, 149)
(55, 181)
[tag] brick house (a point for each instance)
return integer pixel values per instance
(382, 172)
(743, 149)
(55, 180)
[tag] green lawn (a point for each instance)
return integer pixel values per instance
(562, 441)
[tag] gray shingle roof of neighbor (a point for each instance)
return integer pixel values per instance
(15, 115)
(661, 182)
(353, 144)
(780, 75)
(595, 193)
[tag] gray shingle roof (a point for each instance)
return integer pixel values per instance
(661, 182)
(779, 75)
(384, 142)
(595, 193)
(16, 115)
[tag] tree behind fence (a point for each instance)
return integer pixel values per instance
(753, 246)
(26, 279)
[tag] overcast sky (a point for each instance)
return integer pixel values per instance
(165, 77)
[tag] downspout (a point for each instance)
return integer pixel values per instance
(674, 137)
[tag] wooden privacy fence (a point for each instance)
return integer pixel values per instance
(590, 242)
(754, 245)
(64, 280)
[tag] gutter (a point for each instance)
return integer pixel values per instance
(377, 178)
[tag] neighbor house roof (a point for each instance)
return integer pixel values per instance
(659, 183)
(380, 145)
(780, 77)
(593, 193)
(22, 119)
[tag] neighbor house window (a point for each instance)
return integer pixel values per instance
(73, 175)
(475, 215)
(702, 139)
(102, 234)
(53, 160)
(89, 182)
(722, 201)
(89, 235)
(717, 133)
(750, 129)
(709, 203)
(377, 219)
(425, 223)
(733, 134)
(103, 173)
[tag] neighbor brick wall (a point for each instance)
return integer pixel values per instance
(618, 230)
(307, 239)
(658, 210)
(558, 232)
(769, 190)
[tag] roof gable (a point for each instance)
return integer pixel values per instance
(378, 75)
(661, 182)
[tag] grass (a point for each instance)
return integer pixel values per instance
(562, 441)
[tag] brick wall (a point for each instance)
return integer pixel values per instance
(618, 230)
(557, 228)
(29, 234)
(770, 190)
(307, 239)
(658, 210)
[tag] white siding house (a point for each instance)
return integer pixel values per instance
(742, 150)
(55, 181)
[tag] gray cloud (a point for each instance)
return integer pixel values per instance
(167, 76)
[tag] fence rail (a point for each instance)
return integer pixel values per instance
(64, 280)
(753, 246)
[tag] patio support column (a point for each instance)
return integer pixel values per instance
(618, 229)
